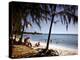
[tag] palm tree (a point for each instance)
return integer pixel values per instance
(21, 10)
(66, 15)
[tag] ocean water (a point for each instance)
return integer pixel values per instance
(67, 40)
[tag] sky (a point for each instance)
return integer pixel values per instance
(57, 28)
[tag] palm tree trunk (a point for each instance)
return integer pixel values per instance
(47, 46)
(20, 41)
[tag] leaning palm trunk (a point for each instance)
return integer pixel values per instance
(53, 14)
(49, 33)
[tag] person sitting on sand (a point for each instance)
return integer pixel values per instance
(27, 42)
(37, 44)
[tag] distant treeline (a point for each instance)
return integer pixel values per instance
(31, 33)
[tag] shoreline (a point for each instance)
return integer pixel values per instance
(63, 51)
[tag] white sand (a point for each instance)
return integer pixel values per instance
(61, 49)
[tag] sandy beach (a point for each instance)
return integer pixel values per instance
(63, 51)
(20, 51)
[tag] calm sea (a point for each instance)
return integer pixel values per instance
(67, 40)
